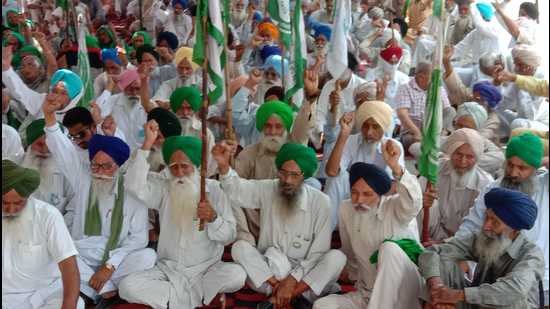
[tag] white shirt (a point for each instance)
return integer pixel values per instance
(362, 232)
(358, 150)
(180, 27)
(168, 87)
(12, 149)
(134, 233)
(303, 237)
(538, 234)
(32, 246)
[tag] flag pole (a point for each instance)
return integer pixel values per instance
(140, 3)
(203, 114)
(229, 130)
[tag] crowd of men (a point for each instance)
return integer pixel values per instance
(102, 202)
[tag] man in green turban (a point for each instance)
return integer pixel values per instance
(38, 253)
(54, 188)
(295, 221)
(106, 37)
(175, 193)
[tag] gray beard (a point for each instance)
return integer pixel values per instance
(273, 144)
(102, 188)
(290, 198)
(184, 199)
(490, 249)
(528, 186)
(155, 160)
(186, 125)
(45, 166)
(238, 17)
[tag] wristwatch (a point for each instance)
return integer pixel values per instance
(109, 266)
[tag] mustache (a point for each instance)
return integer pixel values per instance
(102, 177)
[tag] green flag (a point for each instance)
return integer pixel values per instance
(428, 163)
(83, 66)
(279, 12)
(215, 53)
(64, 4)
(297, 57)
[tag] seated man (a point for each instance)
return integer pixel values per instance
(509, 265)
(39, 267)
(109, 225)
(367, 221)
(293, 256)
(372, 120)
(54, 189)
(189, 271)
(459, 182)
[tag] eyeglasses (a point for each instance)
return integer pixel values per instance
(80, 135)
(283, 173)
(105, 166)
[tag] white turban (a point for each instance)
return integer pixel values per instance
(528, 54)
(473, 109)
(461, 137)
(377, 110)
(58, 12)
(375, 12)
(369, 89)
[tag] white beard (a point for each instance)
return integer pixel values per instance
(184, 199)
(273, 143)
(45, 166)
(238, 17)
(187, 125)
(491, 249)
(155, 160)
(102, 186)
(323, 51)
(388, 69)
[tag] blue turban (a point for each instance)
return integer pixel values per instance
(73, 83)
(269, 50)
(373, 175)
(182, 2)
(258, 16)
(516, 209)
(110, 54)
(170, 38)
(116, 148)
(486, 10)
(488, 92)
(274, 61)
(322, 29)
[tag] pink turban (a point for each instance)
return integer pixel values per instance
(126, 78)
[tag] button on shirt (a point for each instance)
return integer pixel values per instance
(32, 246)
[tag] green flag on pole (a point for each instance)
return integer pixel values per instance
(215, 53)
(64, 4)
(428, 163)
(279, 12)
(83, 66)
(297, 56)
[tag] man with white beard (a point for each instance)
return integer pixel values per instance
(241, 20)
(459, 182)
(523, 157)
(183, 60)
(108, 225)
(53, 189)
(293, 262)
(509, 266)
(189, 271)
(274, 120)
(39, 268)
(178, 22)
(125, 107)
(317, 59)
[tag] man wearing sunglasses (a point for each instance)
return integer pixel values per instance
(108, 225)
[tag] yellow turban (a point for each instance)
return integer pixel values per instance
(377, 110)
(185, 53)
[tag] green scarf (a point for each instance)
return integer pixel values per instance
(411, 247)
(12, 120)
(92, 224)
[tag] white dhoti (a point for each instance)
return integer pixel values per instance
(398, 285)
(50, 297)
(134, 262)
(274, 263)
(162, 286)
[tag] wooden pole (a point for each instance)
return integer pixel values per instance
(229, 130)
(204, 113)
(426, 218)
(140, 2)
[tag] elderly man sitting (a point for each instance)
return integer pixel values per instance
(459, 182)
(39, 268)
(379, 237)
(293, 256)
(509, 265)
(189, 272)
(473, 116)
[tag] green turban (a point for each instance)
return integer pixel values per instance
(190, 94)
(110, 33)
(35, 130)
(281, 109)
(27, 50)
(304, 156)
(527, 147)
(190, 145)
(17, 35)
(91, 42)
(145, 35)
(24, 180)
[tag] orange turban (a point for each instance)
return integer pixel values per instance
(270, 28)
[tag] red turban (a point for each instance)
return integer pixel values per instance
(392, 54)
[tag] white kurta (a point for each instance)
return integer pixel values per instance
(32, 247)
(134, 233)
(363, 232)
(185, 260)
(299, 244)
(538, 234)
(168, 87)
(12, 149)
(355, 150)
(181, 25)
